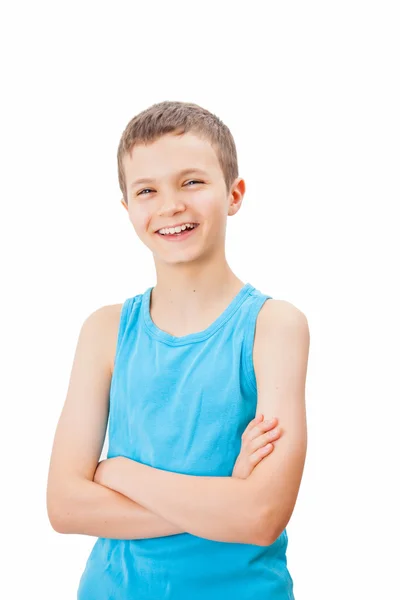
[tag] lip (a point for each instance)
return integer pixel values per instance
(176, 225)
(178, 238)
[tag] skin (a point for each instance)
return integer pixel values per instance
(257, 443)
(77, 488)
(196, 265)
(194, 280)
(116, 473)
(256, 509)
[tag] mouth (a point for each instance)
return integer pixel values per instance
(183, 235)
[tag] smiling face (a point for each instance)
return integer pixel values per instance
(178, 179)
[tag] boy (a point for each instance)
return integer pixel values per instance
(182, 506)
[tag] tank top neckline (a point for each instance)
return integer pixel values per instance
(198, 336)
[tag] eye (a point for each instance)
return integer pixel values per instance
(194, 181)
(149, 189)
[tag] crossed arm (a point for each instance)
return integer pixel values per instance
(255, 510)
(216, 508)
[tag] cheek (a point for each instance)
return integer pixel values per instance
(209, 205)
(213, 209)
(140, 219)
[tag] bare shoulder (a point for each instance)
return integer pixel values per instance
(282, 311)
(281, 338)
(280, 317)
(108, 319)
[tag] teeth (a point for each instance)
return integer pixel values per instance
(171, 230)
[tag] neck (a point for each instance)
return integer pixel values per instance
(182, 293)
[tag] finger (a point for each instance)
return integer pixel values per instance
(261, 428)
(253, 422)
(259, 454)
(262, 440)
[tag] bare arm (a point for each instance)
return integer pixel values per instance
(75, 503)
(216, 508)
(98, 511)
(280, 362)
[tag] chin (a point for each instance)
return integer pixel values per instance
(183, 257)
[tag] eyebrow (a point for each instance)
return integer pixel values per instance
(183, 172)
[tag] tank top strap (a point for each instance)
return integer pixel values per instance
(124, 320)
(257, 301)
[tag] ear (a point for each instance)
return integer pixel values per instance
(124, 204)
(238, 190)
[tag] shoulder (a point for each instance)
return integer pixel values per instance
(104, 323)
(280, 313)
(280, 319)
(281, 344)
(106, 316)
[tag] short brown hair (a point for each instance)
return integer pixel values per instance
(180, 117)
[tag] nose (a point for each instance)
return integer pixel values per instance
(170, 205)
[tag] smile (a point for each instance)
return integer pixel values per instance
(175, 237)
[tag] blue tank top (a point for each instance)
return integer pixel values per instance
(181, 404)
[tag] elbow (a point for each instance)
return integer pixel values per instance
(254, 531)
(58, 520)
(263, 531)
(62, 504)
(58, 523)
(57, 514)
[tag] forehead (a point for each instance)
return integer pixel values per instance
(169, 155)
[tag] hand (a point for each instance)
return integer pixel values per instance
(256, 445)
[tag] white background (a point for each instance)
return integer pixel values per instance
(310, 91)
